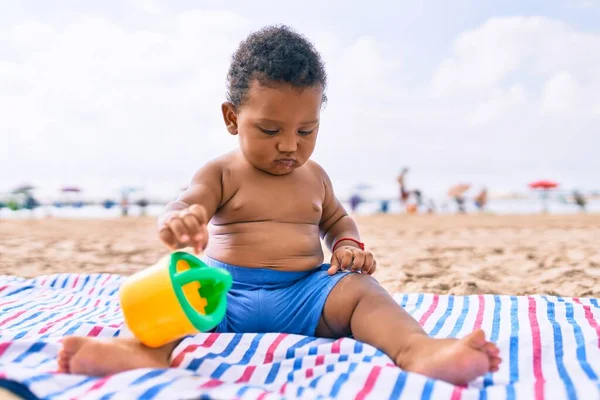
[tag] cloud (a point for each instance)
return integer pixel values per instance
(99, 102)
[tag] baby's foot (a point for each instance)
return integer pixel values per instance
(457, 361)
(101, 357)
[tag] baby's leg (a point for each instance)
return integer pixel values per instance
(101, 357)
(359, 305)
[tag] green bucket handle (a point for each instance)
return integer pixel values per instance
(200, 272)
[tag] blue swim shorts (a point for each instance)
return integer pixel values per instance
(264, 300)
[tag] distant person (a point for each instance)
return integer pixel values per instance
(404, 194)
(124, 205)
(143, 204)
(384, 206)
(355, 201)
(481, 199)
(580, 200)
(460, 204)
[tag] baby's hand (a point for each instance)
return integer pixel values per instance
(350, 257)
(185, 228)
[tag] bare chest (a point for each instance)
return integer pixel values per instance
(290, 199)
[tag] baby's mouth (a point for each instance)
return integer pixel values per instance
(286, 162)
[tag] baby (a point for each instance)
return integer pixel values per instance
(268, 206)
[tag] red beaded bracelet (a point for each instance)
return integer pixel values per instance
(360, 244)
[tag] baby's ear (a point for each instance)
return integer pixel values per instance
(230, 117)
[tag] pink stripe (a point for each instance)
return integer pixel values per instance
(263, 395)
(95, 331)
(75, 281)
(247, 374)
(106, 280)
(211, 383)
(457, 393)
(369, 384)
(17, 315)
(283, 388)
(58, 305)
(309, 373)
(336, 346)
(320, 359)
(210, 340)
(4, 346)
(51, 324)
(97, 303)
(99, 384)
(537, 350)
(271, 350)
(480, 310)
(590, 318)
(3, 287)
(430, 311)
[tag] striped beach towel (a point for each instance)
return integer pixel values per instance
(550, 346)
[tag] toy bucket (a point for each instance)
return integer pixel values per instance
(176, 297)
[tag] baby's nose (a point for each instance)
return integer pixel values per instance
(287, 145)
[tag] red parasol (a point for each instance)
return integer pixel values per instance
(543, 184)
(544, 187)
(72, 189)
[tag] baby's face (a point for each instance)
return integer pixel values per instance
(278, 126)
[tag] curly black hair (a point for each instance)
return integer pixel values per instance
(274, 54)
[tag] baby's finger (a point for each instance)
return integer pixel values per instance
(192, 225)
(168, 238)
(368, 263)
(334, 265)
(358, 261)
(345, 256)
(179, 229)
(371, 268)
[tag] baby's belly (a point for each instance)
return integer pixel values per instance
(276, 245)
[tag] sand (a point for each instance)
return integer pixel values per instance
(472, 254)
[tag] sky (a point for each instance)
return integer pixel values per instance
(128, 92)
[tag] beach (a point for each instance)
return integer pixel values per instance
(462, 254)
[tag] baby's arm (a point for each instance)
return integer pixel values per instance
(183, 222)
(336, 224)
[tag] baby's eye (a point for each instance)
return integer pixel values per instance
(269, 131)
(305, 133)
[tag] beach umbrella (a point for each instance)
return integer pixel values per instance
(544, 186)
(23, 189)
(70, 189)
(458, 190)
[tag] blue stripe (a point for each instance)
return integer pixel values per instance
(64, 284)
(43, 319)
(34, 348)
(337, 386)
(155, 390)
(444, 317)
(358, 347)
(63, 390)
(242, 392)
(559, 352)
(581, 355)
(488, 380)
(417, 304)
(594, 303)
(291, 351)
(85, 281)
(399, 385)
(37, 378)
(461, 319)
(273, 372)
(197, 362)
(54, 281)
(19, 290)
(148, 375)
(427, 389)
(514, 348)
(223, 367)
(404, 300)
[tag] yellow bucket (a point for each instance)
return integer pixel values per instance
(176, 297)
